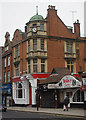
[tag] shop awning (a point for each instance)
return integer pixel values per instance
(6, 89)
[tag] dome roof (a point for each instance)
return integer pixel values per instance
(36, 17)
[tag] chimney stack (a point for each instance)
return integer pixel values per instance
(7, 36)
(51, 9)
(77, 28)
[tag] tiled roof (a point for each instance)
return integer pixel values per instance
(56, 75)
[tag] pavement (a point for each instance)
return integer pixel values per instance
(77, 112)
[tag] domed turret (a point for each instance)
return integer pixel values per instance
(36, 17)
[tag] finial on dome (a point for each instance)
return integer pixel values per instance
(36, 10)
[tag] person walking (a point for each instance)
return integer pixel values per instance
(65, 103)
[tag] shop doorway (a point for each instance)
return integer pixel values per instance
(30, 94)
(69, 94)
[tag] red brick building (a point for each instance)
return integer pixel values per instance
(7, 70)
(45, 44)
(53, 44)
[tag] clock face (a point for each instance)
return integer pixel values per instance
(34, 29)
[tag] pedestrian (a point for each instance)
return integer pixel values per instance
(65, 103)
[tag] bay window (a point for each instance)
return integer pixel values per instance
(34, 65)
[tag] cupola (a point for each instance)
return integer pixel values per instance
(36, 17)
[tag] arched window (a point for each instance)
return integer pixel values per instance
(19, 90)
(78, 96)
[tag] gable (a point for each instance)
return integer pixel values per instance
(18, 36)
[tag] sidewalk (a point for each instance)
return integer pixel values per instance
(59, 111)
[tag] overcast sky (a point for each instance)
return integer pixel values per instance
(14, 14)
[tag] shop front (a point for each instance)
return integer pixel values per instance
(6, 95)
(24, 88)
(70, 86)
(52, 93)
(83, 89)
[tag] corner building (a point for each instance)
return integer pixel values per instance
(45, 44)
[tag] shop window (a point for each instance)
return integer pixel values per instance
(42, 65)
(78, 96)
(34, 44)
(34, 65)
(70, 66)
(42, 44)
(20, 90)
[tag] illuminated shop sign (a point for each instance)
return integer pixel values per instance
(67, 81)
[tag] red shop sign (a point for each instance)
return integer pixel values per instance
(83, 88)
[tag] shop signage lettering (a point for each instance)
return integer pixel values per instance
(66, 82)
(69, 81)
(6, 86)
(51, 86)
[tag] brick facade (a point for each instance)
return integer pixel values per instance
(7, 52)
(56, 35)
(51, 45)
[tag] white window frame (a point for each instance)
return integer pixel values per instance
(4, 62)
(23, 90)
(8, 76)
(8, 60)
(43, 64)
